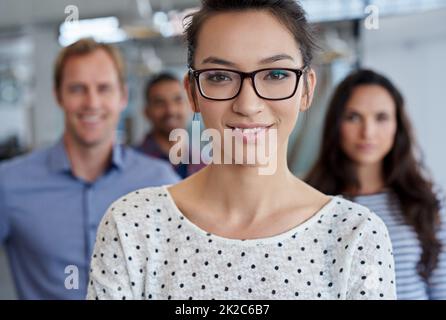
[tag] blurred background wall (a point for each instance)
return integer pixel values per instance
(408, 46)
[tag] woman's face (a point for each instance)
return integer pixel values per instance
(368, 125)
(248, 41)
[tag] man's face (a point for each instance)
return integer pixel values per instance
(167, 107)
(92, 98)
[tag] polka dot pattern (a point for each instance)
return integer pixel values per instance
(154, 252)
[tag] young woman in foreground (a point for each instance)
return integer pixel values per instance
(228, 232)
(367, 155)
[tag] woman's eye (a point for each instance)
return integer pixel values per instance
(382, 117)
(218, 77)
(352, 117)
(276, 75)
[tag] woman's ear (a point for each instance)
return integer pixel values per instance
(309, 86)
(189, 86)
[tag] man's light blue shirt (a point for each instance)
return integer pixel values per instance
(49, 218)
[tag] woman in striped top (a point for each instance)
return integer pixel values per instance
(367, 155)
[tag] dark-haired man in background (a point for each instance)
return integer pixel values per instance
(167, 109)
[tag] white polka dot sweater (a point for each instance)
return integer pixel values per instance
(147, 249)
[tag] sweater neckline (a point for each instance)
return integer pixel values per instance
(275, 239)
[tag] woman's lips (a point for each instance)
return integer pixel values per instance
(365, 147)
(249, 132)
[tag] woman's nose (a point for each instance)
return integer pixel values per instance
(369, 129)
(248, 102)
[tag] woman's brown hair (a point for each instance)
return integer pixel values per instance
(334, 172)
(288, 12)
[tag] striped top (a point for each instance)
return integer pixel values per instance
(407, 249)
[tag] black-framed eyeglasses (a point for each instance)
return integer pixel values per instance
(225, 84)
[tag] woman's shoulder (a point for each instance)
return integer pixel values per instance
(368, 250)
(353, 218)
(140, 201)
(145, 195)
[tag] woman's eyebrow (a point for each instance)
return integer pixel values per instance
(268, 60)
(275, 58)
(216, 60)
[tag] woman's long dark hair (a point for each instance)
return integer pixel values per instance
(334, 172)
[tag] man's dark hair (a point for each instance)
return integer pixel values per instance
(163, 76)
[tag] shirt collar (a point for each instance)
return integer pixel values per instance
(58, 158)
(59, 161)
(118, 156)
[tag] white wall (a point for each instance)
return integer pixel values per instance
(47, 117)
(411, 51)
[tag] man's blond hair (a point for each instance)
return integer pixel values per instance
(83, 47)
